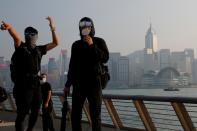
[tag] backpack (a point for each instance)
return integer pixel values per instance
(104, 75)
(3, 94)
(25, 63)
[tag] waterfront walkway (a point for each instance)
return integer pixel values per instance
(8, 123)
(123, 113)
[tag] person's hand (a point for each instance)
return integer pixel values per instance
(51, 24)
(88, 40)
(5, 26)
(46, 105)
(66, 91)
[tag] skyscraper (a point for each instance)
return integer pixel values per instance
(164, 58)
(52, 65)
(181, 61)
(5, 80)
(190, 54)
(151, 60)
(123, 70)
(53, 73)
(136, 67)
(114, 59)
(63, 61)
(151, 40)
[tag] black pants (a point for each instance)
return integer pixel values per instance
(27, 100)
(94, 97)
(47, 118)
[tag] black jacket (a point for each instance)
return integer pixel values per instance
(84, 62)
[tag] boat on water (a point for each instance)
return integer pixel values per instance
(171, 89)
(173, 86)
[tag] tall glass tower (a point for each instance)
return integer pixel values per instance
(151, 61)
(63, 61)
(53, 73)
(151, 40)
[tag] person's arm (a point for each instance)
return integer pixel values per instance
(55, 39)
(13, 33)
(49, 94)
(100, 51)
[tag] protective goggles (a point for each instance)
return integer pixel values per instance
(30, 33)
(85, 24)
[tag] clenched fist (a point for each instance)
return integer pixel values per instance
(5, 26)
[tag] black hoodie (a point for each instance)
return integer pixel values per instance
(85, 59)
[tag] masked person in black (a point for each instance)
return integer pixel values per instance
(86, 55)
(47, 104)
(25, 69)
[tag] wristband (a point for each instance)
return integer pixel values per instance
(52, 28)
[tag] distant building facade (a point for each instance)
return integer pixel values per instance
(164, 58)
(63, 62)
(53, 73)
(136, 67)
(181, 62)
(5, 80)
(113, 59)
(123, 70)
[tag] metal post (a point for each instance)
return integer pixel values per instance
(183, 116)
(113, 113)
(144, 115)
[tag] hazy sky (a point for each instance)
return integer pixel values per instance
(122, 23)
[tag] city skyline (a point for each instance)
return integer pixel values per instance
(123, 25)
(128, 70)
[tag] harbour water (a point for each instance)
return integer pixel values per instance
(183, 92)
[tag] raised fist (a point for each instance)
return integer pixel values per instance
(5, 26)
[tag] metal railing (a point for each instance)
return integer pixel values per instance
(150, 113)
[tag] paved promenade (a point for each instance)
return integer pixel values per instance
(8, 123)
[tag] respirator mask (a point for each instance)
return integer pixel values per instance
(85, 27)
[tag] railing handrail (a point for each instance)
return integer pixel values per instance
(180, 99)
(139, 101)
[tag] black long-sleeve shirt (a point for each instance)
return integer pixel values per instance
(84, 62)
